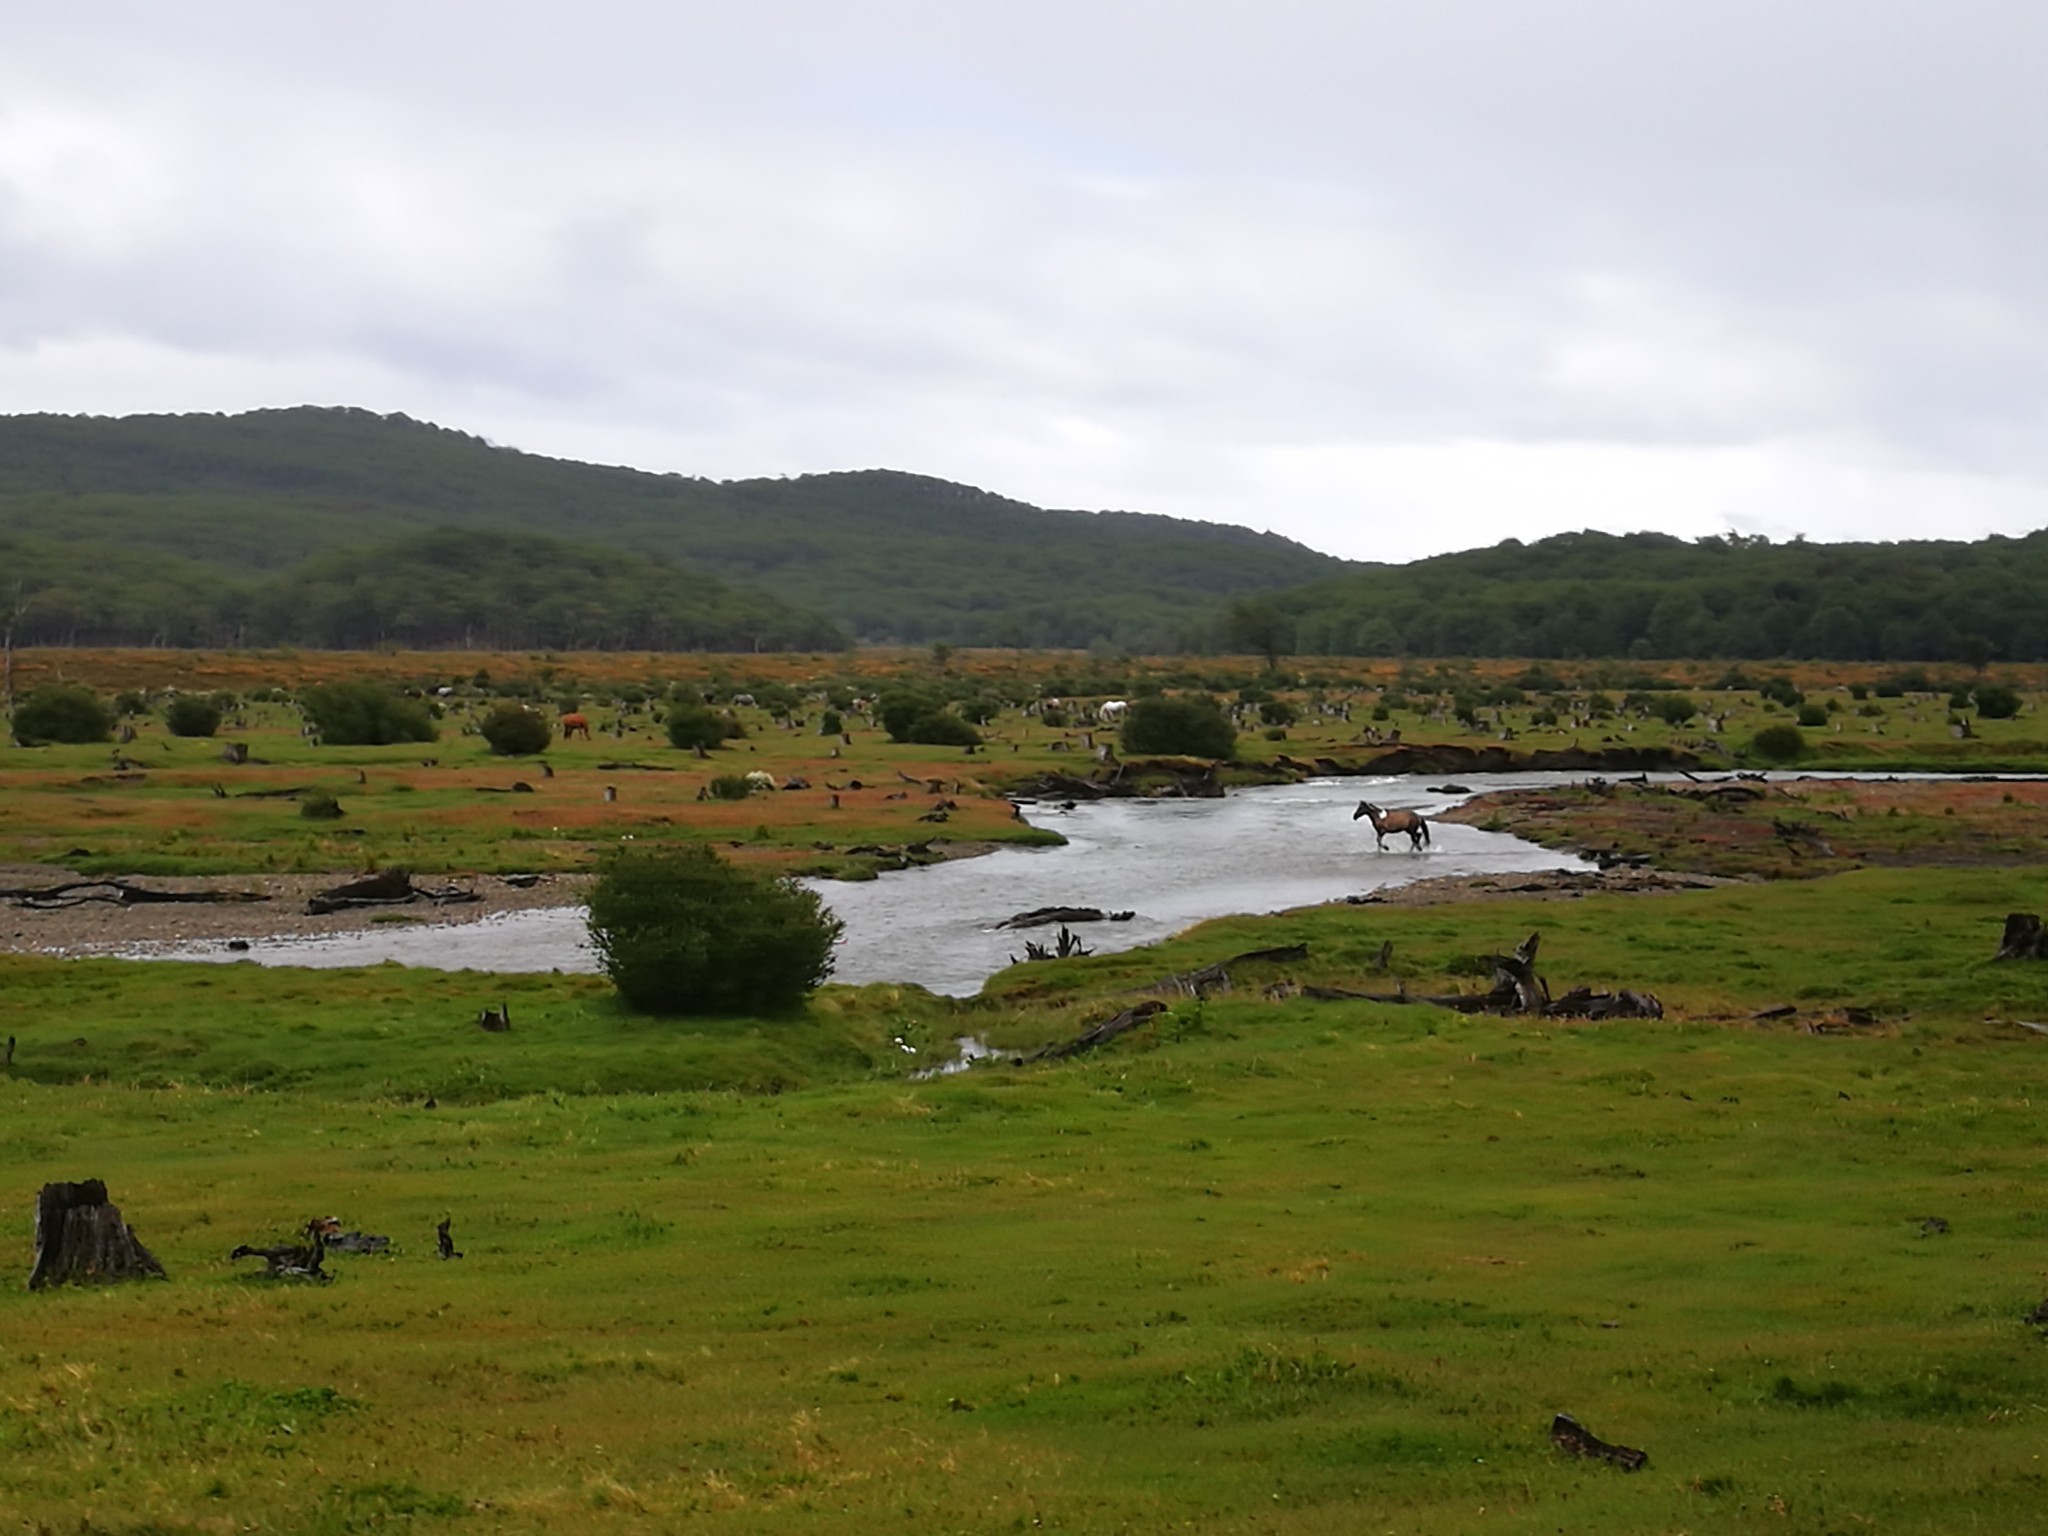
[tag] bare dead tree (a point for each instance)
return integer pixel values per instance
(17, 610)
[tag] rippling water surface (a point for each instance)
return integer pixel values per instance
(1171, 862)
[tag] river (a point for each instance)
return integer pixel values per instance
(1171, 863)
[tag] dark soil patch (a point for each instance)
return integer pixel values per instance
(1790, 831)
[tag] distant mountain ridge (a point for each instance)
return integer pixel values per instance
(174, 528)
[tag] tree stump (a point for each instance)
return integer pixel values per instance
(81, 1239)
(2025, 938)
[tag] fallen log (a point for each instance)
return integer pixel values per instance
(74, 893)
(1102, 1033)
(82, 1240)
(1045, 917)
(1572, 1437)
(1199, 983)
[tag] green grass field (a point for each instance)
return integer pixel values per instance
(1264, 1265)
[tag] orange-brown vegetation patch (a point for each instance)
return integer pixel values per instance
(1788, 830)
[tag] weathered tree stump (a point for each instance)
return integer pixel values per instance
(82, 1240)
(2025, 938)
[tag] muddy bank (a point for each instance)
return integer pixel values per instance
(1197, 778)
(1781, 830)
(1540, 885)
(1461, 759)
(96, 926)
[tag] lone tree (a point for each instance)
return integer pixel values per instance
(513, 730)
(1189, 726)
(680, 931)
(1255, 624)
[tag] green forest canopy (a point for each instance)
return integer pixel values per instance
(176, 508)
(304, 526)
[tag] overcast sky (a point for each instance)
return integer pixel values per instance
(1389, 278)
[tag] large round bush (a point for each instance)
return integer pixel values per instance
(1995, 701)
(59, 712)
(680, 931)
(190, 715)
(694, 725)
(941, 728)
(365, 715)
(1778, 743)
(1190, 726)
(513, 730)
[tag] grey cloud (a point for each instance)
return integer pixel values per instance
(1139, 255)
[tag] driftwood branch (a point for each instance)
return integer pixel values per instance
(1569, 1435)
(74, 893)
(1101, 1033)
(1216, 978)
(1045, 917)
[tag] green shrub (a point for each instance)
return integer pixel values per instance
(1811, 715)
(1191, 725)
(730, 786)
(1778, 743)
(1996, 702)
(129, 702)
(60, 712)
(513, 730)
(694, 725)
(318, 805)
(679, 931)
(941, 728)
(1278, 712)
(901, 708)
(830, 723)
(190, 715)
(1674, 709)
(365, 715)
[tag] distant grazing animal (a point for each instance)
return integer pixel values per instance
(571, 724)
(1112, 711)
(1384, 822)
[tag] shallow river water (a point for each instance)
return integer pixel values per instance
(1171, 862)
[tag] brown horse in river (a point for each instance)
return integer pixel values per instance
(1384, 822)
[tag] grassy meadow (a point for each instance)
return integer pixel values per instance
(1264, 1264)
(167, 805)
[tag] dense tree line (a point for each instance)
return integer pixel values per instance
(447, 587)
(1650, 595)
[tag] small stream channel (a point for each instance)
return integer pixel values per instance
(1171, 862)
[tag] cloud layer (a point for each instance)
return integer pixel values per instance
(1388, 279)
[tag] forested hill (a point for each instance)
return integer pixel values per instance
(1650, 595)
(189, 529)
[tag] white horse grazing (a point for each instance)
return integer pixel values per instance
(1384, 822)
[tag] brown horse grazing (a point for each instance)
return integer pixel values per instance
(571, 724)
(1384, 822)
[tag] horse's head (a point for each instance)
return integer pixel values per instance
(1365, 808)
